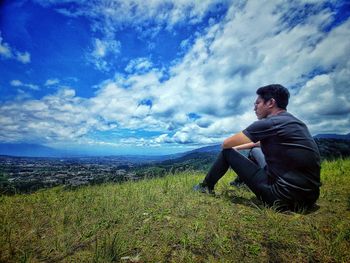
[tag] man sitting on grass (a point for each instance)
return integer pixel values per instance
(291, 177)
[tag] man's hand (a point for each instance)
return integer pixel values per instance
(235, 140)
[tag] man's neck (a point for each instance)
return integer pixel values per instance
(276, 112)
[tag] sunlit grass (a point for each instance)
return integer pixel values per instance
(163, 220)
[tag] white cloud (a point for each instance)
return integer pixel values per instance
(60, 117)
(124, 105)
(139, 65)
(164, 138)
(101, 50)
(5, 50)
(51, 82)
(18, 83)
(8, 52)
(23, 57)
(140, 13)
(324, 102)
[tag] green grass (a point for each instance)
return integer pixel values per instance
(163, 220)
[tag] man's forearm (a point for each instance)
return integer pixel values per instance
(235, 140)
(247, 146)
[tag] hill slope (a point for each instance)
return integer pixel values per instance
(163, 220)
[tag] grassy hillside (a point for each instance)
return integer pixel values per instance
(163, 220)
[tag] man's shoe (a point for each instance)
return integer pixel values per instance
(202, 188)
(237, 182)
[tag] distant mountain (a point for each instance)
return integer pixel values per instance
(333, 136)
(29, 150)
(206, 149)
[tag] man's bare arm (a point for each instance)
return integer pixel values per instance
(248, 145)
(235, 140)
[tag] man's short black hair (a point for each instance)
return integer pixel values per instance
(275, 91)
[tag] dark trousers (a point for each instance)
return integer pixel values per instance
(248, 171)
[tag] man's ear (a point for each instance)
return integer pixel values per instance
(271, 103)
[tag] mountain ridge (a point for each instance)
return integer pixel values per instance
(333, 136)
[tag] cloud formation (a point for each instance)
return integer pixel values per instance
(101, 50)
(51, 82)
(208, 93)
(7, 52)
(18, 83)
(140, 14)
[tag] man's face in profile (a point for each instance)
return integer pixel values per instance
(261, 108)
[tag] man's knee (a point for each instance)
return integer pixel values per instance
(231, 156)
(257, 156)
(256, 152)
(229, 152)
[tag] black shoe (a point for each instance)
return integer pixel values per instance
(237, 182)
(202, 188)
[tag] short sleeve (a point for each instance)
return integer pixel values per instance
(260, 130)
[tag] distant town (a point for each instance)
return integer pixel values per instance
(25, 174)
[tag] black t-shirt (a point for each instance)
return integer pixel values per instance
(292, 156)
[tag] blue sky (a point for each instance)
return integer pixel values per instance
(155, 77)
